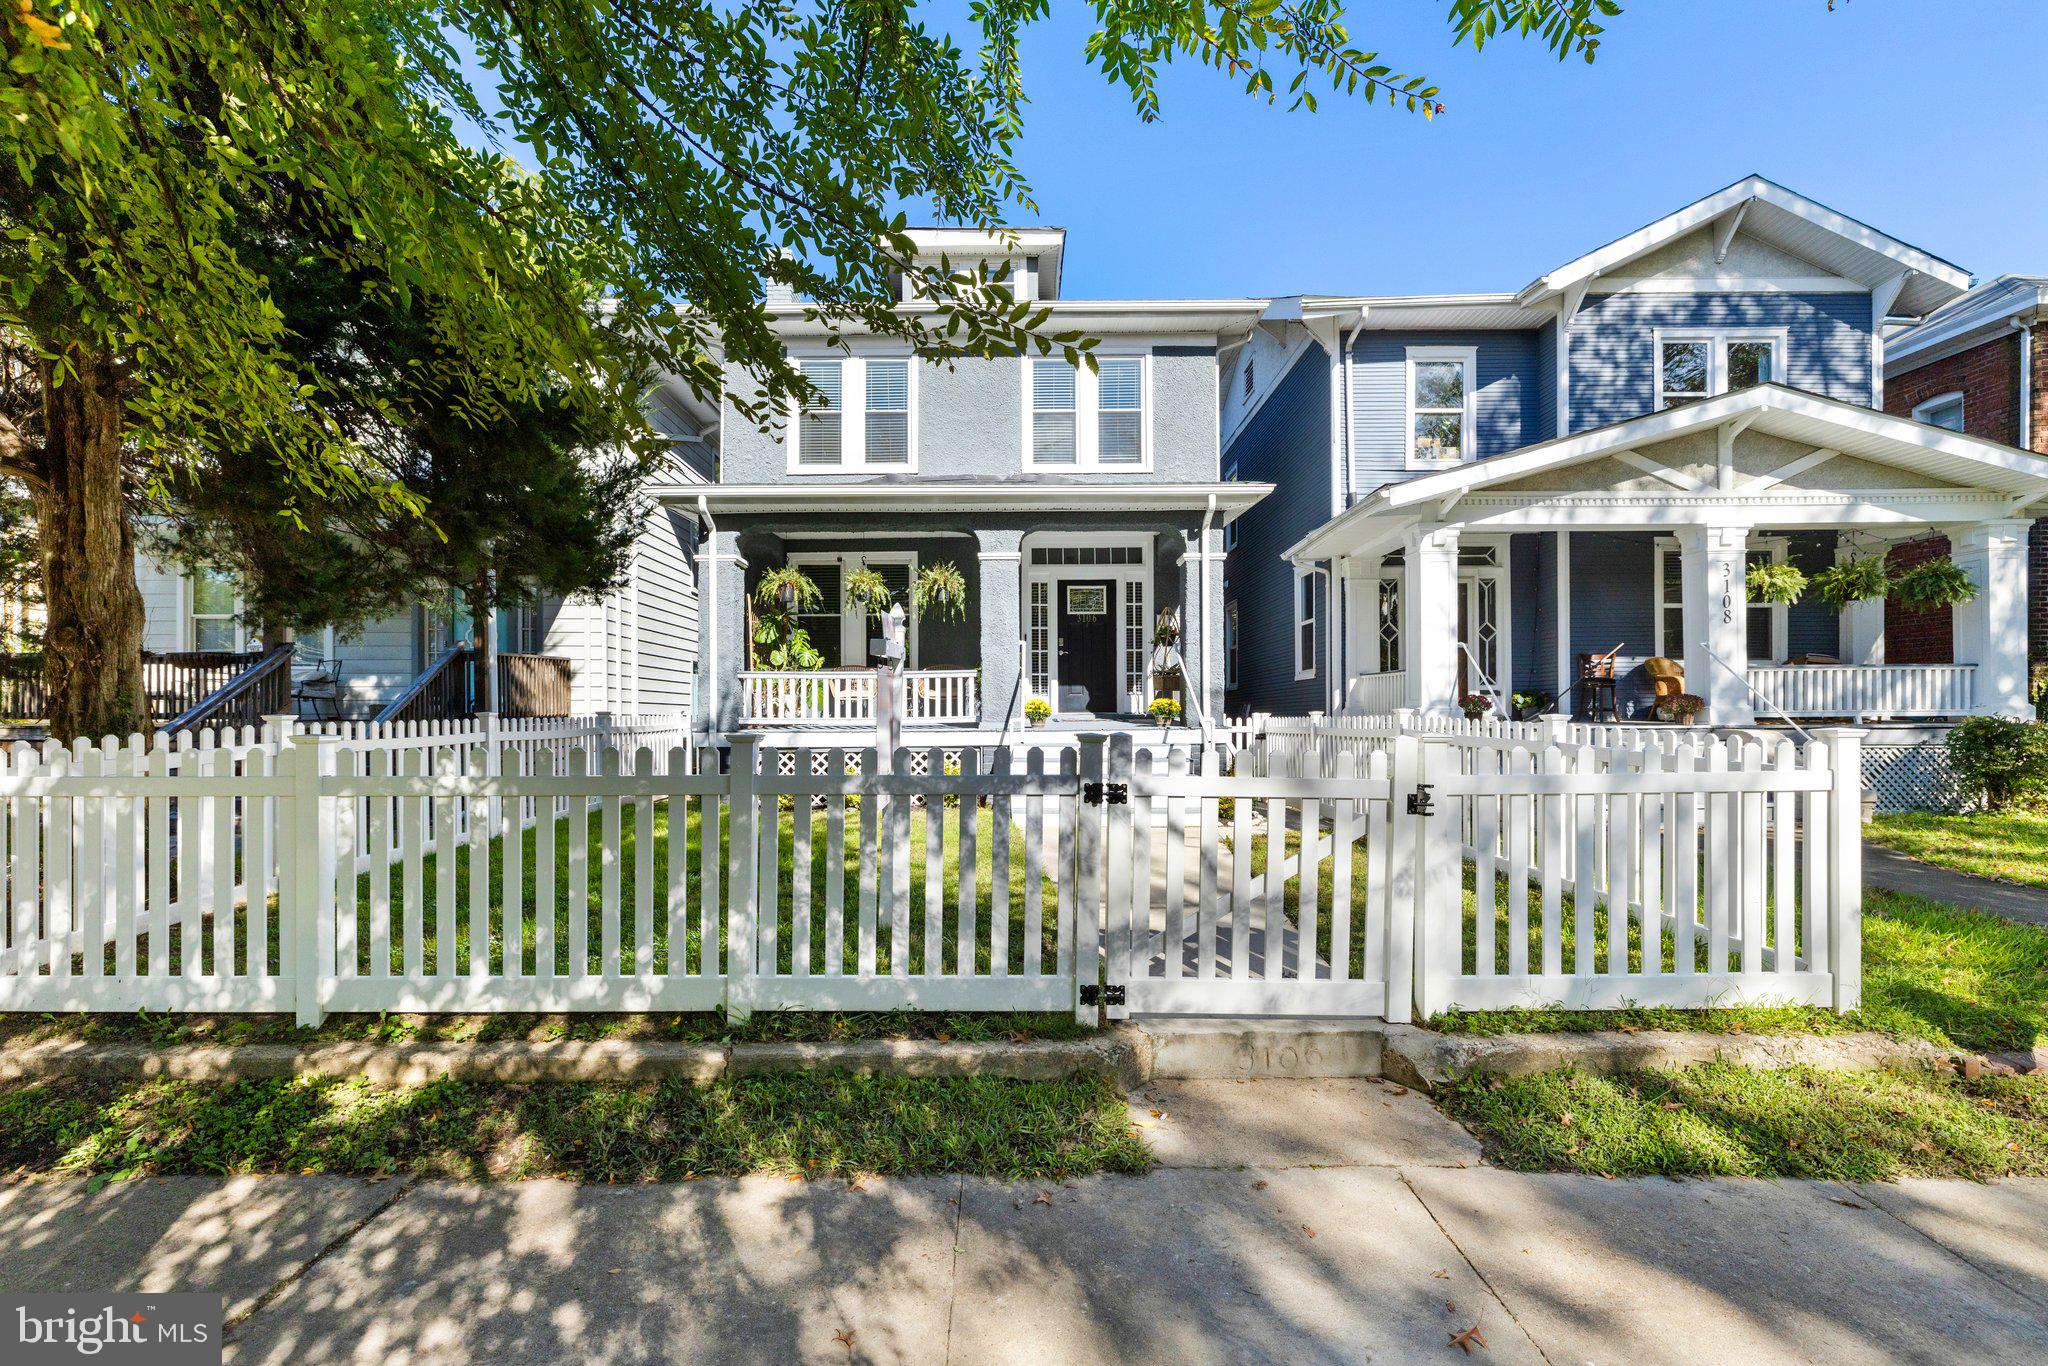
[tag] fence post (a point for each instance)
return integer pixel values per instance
(1845, 862)
(1087, 874)
(279, 727)
(1122, 896)
(742, 912)
(1439, 886)
(1403, 895)
(307, 909)
(1557, 727)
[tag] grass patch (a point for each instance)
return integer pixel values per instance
(1720, 1120)
(1957, 978)
(2011, 846)
(806, 1124)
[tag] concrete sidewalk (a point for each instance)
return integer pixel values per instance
(1303, 1221)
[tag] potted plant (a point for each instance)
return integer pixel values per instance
(939, 591)
(1686, 707)
(1939, 582)
(1166, 710)
(1037, 710)
(1774, 582)
(1475, 705)
(779, 642)
(1856, 580)
(869, 591)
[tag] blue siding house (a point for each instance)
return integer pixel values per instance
(1510, 491)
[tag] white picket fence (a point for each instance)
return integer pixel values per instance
(360, 872)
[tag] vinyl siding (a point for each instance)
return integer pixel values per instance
(1613, 368)
(1811, 628)
(1288, 444)
(666, 621)
(1508, 399)
(1612, 602)
(1527, 640)
(163, 605)
(1543, 408)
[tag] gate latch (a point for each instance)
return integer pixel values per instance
(1419, 803)
(1093, 995)
(1116, 794)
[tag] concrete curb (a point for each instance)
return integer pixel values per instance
(1421, 1058)
(1114, 1056)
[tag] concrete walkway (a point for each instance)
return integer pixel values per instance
(1289, 1221)
(1894, 872)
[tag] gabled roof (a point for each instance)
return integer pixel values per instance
(1792, 223)
(1773, 409)
(1989, 310)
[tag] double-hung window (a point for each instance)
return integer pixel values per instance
(1078, 418)
(1120, 411)
(1765, 624)
(1698, 365)
(1442, 382)
(213, 611)
(863, 415)
(1053, 413)
(1307, 622)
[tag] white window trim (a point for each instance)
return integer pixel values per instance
(1779, 548)
(853, 417)
(1087, 417)
(1468, 431)
(1717, 339)
(1314, 622)
(854, 628)
(1956, 396)
(190, 626)
(1230, 638)
(1230, 527)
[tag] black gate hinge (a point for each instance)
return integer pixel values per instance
(1099, 995)
(1116, 794)
(1419, 803)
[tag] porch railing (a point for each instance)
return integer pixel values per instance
(1376, 694)
(1868, 691)
(788, 697)
(263, 689)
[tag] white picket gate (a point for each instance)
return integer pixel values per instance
(331, 874)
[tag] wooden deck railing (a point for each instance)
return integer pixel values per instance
(263, 689)
(528, 685)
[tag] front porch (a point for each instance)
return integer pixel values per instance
(1064, 605)
(1638, 541)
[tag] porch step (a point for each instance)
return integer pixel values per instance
(1198, 1047)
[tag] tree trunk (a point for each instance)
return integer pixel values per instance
(483, 645)
(92, 647)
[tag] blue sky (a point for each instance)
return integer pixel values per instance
(1536, 161)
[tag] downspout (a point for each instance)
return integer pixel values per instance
(2027, 385)
(711, 615)
(1338, 649)
(1209, 647)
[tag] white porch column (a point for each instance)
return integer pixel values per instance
(1361, 622)
(1715, 566)
(1862, 625)
(1432, 619)
(1991, 628)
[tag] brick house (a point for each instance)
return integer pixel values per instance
(1977, 365)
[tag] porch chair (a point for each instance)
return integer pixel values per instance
(1596, 684)
(1667, 676)
(320, 689)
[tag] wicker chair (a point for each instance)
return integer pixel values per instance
(1667, 676)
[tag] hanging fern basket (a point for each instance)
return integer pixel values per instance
(1775, 583)
(1857, 580)
(1939, 582)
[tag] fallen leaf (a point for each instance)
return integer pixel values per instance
(1449, 1307)
(1850, 1203)
(1042, 1198)
(1258, 1185)
(1441, 1274)
(1159, 1114)
(1921, 1145)
(1398, 1090)
(1466, 1340)
(1674, 1105)
(855, 1183)
(1628, 1029)
(611, 1271)
(1309, 1231)
(844, 1337)
(1565, 1118)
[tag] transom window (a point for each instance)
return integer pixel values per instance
(1943, 411)
(1695, 366)
(1075, 417)
(1441, 384)
(863, 416)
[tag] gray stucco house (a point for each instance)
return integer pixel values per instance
(1078, 504)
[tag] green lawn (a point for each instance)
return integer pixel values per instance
(809, 1124)
(1719, 1120)
(1958, 978)
(686, 1027)
(2009, 845)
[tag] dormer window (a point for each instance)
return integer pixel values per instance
(1442, 381)
(862, 417)
(1692, 366)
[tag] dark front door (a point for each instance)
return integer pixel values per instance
(1087, 635)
